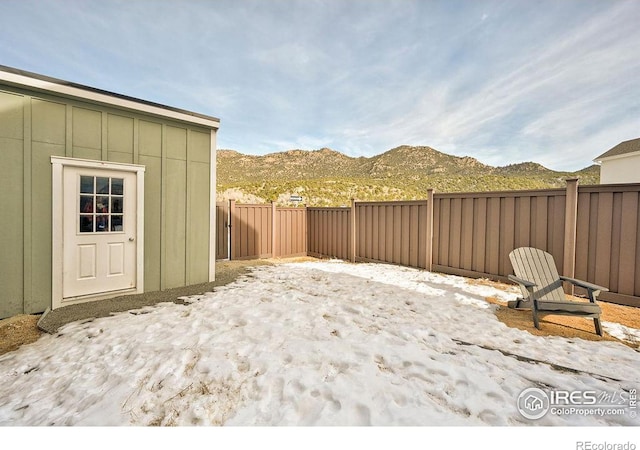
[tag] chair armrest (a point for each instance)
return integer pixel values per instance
(584, 284)
(525, 283)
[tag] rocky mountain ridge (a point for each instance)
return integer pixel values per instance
(327, 177)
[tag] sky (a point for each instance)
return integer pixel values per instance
(555, 82)
(329, 344)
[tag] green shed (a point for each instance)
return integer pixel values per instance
(101, 194)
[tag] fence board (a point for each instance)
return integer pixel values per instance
(636, 292)
(629, 251)
(455, 212)
(360, 236)
(325, 219)
(616, 225)
(375, 233)
(593, 237)
(389, 226)
(397, 235)
(582, 236)
(422, 236)
(492, 251)
(508, 232)
(480, 238)
(414, 242)
(467, 230)
(405, 236)
(603, 238)
(444, 220)
(436, 231)
(556, 226)
(523, 220)
(382, 234)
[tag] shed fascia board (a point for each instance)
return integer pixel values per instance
(611, 158)
(19, 78)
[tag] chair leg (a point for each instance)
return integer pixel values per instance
(536, 323)
(596, 322)
(534, 307)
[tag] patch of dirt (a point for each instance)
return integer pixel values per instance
(18, 330)
(565, 326)
(570, 326)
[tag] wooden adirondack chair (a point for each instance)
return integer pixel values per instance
(541, 286)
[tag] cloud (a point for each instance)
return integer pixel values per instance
(578, 82)
(501, 81)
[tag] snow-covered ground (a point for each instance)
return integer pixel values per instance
(314, 343)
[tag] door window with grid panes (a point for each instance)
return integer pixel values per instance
(101, 204)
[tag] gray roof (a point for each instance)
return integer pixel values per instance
(622, 148)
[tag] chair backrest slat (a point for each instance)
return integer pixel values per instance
(538, 266)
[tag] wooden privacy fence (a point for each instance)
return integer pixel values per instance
(593, 233)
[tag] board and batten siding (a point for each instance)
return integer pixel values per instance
(177, 155)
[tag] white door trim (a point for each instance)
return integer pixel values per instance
(57, 262)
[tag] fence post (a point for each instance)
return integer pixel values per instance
(274, 235)
(232, 224)
(306, 230)
(352, 230)
(570, 232)
(429, 253)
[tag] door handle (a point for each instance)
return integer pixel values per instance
(131, 239)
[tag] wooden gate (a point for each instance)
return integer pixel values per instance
(263, 231)
(251, 228)
(222, 230)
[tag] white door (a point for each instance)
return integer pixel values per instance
(99, 231)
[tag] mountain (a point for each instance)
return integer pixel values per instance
(412, 161)
(326, 177)
(292, 164)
